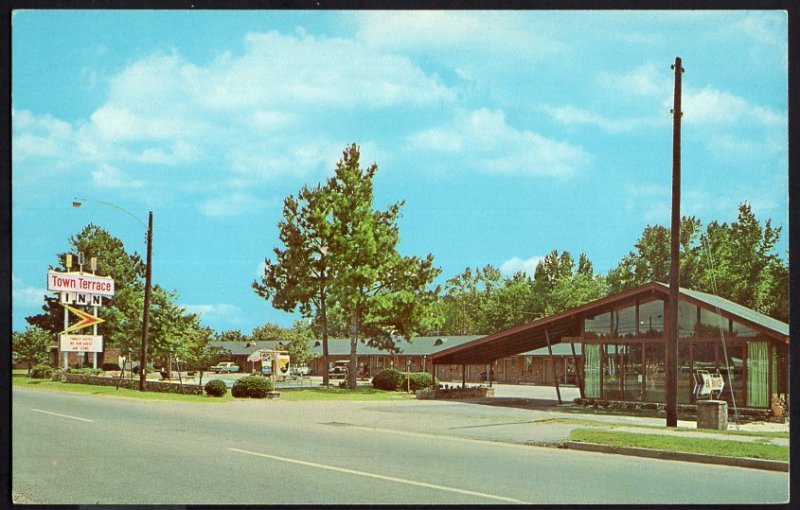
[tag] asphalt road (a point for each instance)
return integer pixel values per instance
(82, 449)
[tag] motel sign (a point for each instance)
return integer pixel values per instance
(80, 283)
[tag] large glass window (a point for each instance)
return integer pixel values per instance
(654, 373)
(743, 331)
(712, 324)
(623, 322)
(598, 326)
(651, 319)
(687, 319)
(732, 372)
(613, 372)
(685, 385)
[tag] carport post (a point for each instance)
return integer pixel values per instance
(553, 360)
(577, 369)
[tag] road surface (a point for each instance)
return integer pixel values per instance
(84, 449)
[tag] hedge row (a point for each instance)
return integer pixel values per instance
(393, 380)
(133, 384)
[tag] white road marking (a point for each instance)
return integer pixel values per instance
(438, 437)
(62, 415)
(380, 477)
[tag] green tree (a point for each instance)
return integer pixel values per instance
(299, 277)
(383, 293)
(651, 260)
(739, 262)
(200, 354)
(31, 346)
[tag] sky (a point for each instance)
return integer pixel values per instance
(507, 134)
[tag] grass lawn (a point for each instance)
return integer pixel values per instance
(598, 423)
(720, 447)
(110, 391)
(360, 393)
(291, 394)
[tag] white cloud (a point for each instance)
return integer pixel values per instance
(25, 295)
(469, 32)
(570, 115)
(231, 204)
(107, 176)
(219, 312)
(715, 107)
(646, 80)
(516, 264)
(485, 142)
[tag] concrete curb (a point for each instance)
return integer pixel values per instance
(770, 465)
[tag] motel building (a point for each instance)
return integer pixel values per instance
(620, 345)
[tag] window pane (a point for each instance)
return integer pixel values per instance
(651, 319)
(612, 372)
(598, 326)
(685, 386)
(654, 373)
(624, 322)
(744, 331)
(687, 319)
(712, 324)
(633, 372)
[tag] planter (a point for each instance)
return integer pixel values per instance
(777, 411)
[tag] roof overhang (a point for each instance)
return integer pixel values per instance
(567, 324)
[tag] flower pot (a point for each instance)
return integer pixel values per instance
(777, 411)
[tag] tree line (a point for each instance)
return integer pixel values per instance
(337, 264)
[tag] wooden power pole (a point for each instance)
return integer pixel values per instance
(671, 371)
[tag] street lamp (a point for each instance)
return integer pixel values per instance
(77, 202)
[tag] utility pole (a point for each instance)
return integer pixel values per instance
(146, 317)
(671, 371)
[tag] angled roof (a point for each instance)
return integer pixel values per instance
(420, 345)
(567, 324)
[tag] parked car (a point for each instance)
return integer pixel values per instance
(300, 371)
(338, 370)
(226, 367)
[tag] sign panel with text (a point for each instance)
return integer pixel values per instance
(80, 298)
(81, 343)
(80, 283)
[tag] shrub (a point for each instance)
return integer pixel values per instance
(388, 380)
(42, 372)
(419, 381)
(393, 380)
(84, 371)
(216, 388)
(252, 386)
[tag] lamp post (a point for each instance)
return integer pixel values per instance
(77, 202)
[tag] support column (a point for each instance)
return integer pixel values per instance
(553, 360)
(578, 369)
(463, 376)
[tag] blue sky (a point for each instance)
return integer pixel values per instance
(508, 134)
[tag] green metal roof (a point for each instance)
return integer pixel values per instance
(722, 304)
(420, 345)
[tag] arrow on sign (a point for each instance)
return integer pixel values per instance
(87, 319)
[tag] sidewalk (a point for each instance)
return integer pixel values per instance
(530, 415)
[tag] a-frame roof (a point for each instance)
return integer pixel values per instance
(567, 324)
